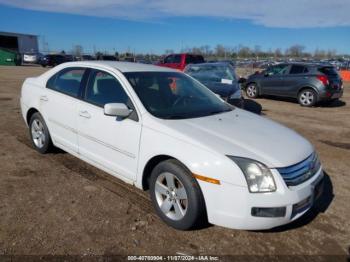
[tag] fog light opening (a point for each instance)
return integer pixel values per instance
(268, 211)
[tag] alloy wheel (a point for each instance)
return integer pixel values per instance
(171, 196)
(38, 133)
(251, 91)
(307, 98)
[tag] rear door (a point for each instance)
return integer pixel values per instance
(59, 104)
(296, 78)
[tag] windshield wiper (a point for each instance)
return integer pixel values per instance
(219, 111)
(175, 117)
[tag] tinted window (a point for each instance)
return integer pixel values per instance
(298, 69)
(329, 70)
(194, 59)
(169, 59)
(103, 88)
(173, 59)
(67, 81)
(277, 70)
(172, 95)
(177, 59)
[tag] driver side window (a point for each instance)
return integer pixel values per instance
(103, 88)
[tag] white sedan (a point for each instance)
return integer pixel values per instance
(159, 129)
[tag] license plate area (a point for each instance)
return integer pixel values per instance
(336, 95)
(309, 201)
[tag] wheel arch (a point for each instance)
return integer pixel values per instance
(304, 87)
(150, 165)
(251, 82)
(29, 114)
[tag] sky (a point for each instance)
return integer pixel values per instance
(153, 26)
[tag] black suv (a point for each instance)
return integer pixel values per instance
(52, 60)
(309, 83)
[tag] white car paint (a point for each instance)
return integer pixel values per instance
(201, 144)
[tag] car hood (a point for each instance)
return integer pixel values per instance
(221, 89)
(244, 134)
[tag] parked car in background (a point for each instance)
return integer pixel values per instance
(308, 83)
(220, 78)
(180, 61)
(52, 60)
(30, 58)
(69, 58)
(87, 58)
(107, 58)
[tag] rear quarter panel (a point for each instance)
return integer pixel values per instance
(30, 93)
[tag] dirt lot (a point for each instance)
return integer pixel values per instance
(57, 204)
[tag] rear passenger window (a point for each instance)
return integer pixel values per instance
(103, 88)
(67, 81)
(297, 69)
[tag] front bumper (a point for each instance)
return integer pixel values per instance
(231, 206)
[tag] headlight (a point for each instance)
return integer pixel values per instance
(259, 177)
(236, 95)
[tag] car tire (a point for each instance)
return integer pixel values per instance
(176, 196)
(39, 134)
(307, 97)
(252, 90)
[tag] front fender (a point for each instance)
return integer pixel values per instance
(198, 160)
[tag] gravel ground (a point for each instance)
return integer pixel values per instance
(56, 204)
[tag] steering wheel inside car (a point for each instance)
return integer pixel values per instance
(182, 99)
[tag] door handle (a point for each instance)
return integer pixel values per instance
(84, 114)
(44, 98)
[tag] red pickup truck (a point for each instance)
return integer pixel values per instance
(180, 61)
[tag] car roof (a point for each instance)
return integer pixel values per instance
(124, 67)
(309, 64)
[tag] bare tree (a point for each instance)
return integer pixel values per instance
(295, 50)
(220, 50)
(278, 53)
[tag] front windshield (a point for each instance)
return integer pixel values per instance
(172, 95)
(215, 73)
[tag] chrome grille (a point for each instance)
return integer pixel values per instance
(300, 172)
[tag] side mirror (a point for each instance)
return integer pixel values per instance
(117, 109)
(242, 80)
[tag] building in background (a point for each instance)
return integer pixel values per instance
(21, 43)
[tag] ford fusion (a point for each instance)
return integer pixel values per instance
(200, 158)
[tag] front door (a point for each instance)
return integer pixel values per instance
(108, 140)
(273, 80)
